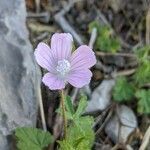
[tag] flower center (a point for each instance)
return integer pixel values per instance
(63, 67)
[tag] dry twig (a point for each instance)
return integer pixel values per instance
(61, 20)
(41, 36)
(37, 4)
(43, 16)
(146, 140)
(147, 35)
(104, 68)
(123, 73)
(42, 111)
(115, 54)
(38, 27)
(105, 122)
(100, 117)
(37, 15)
(93, 38)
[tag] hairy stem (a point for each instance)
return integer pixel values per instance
(64, 113)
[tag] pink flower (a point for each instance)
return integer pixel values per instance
(62, 66)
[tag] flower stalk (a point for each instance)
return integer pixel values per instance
(64, 113)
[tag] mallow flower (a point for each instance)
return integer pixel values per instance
(63, 65)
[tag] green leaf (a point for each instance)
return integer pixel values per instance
(142, 74)
(32, 138)
(71, 113)
(78, 141)
(79, 137)
(65, 145)
(143, 101)
(81, 106)
(115, 45)
(123, 90)
(69, 105)
(105, 41)
(143, 53)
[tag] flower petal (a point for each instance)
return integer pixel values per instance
(44, 57)
(61, 45)
(83, 58)
(79, 78)
(53, 82)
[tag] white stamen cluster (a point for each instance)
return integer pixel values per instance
(63, 67)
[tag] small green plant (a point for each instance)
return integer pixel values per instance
(123, 91)
(142, 75)
(32, 138)
(80, 134)
(143, 97)
(105, 41)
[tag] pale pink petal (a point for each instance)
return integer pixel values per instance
(44, 57)
(79, 78)
(53, 82)
(61, 45)
(82, 58)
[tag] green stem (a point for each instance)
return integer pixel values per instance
(64, 113)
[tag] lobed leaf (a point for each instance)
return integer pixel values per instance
(143, 101)
(81, 106)
(32, 138)
(123, 90)
(80, 136)
(142, 74)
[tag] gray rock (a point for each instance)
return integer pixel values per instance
(128, 124)
(4, 143)
(19, 74)
(101, 97)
